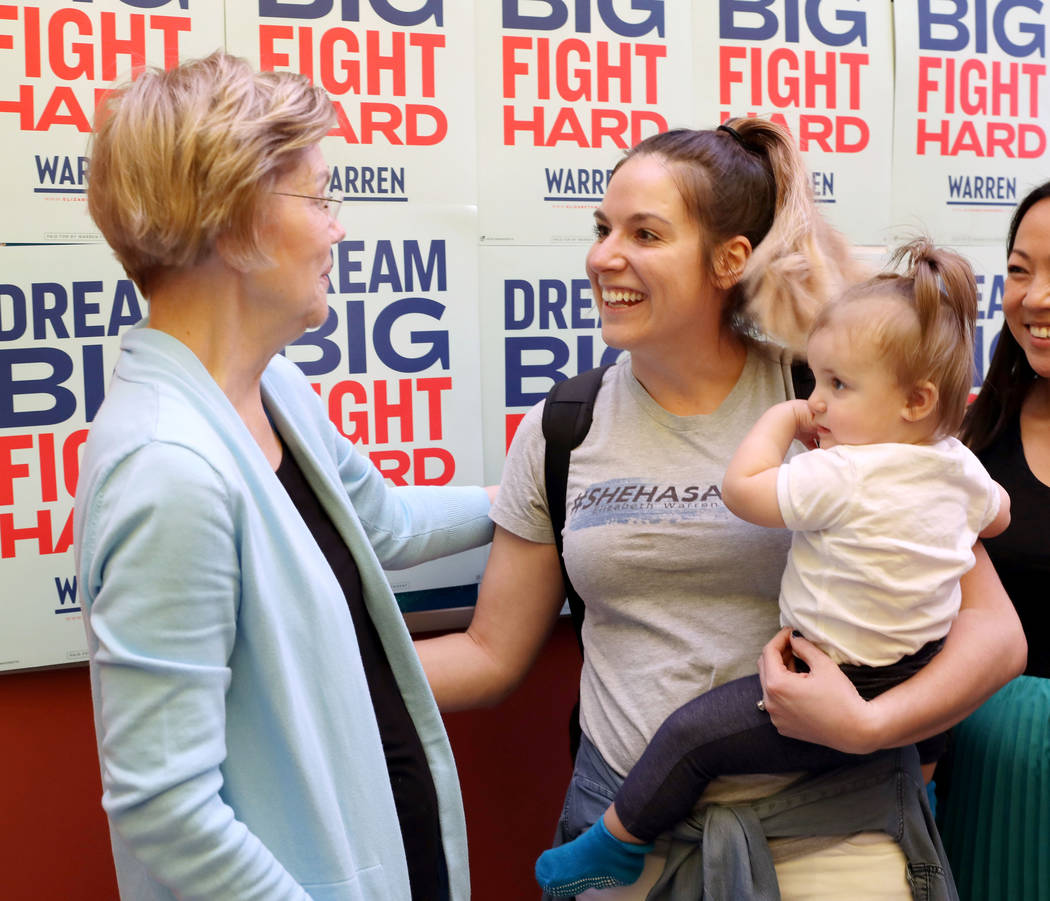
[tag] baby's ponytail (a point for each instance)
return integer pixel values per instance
(936, 344)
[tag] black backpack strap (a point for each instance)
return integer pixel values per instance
(567, 415)
(802, 379)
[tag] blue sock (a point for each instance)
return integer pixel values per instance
(594, 859)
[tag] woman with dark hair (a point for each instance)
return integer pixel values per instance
(709, 263)
(885, 508)
(994, 810)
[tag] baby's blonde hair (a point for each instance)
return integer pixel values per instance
(935, 342)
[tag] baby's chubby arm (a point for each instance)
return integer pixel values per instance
(749, 488)
(1002, 519)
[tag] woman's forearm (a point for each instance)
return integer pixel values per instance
(462, 673)
(984, 650)
(518, 602)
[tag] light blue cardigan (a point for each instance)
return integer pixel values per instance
(239, 750)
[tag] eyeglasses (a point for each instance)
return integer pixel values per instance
(329, 202)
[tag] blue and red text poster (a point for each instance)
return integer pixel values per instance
(824, 70)
(56, 61)
(989, 265)
(972, 113)
(539, 326)
(401, 76)
(563, 87)
(62, 311)
(397, 363)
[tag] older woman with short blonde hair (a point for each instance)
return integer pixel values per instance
(264, 727)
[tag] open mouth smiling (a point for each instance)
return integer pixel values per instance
(619, 297)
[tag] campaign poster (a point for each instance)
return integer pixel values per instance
(972, 112)
(401, 78)
(397, 364)
(539, 325)
(989, 266)
(822, 70)
(56, 62)
(62, 311)
(563, 88)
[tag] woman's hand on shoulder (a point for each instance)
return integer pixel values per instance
(820, 706)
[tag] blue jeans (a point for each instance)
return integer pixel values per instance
(883, 793)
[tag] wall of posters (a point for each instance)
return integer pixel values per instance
(474, 142)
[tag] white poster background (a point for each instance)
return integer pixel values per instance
(398, 364)
(56, 59)
(972, 115)
(822, 70)
(538, 325)
(62, 310)
(403, 87)
(560, 98)
(404, 306)
(989, 266)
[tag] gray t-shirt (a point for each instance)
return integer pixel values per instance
(680, 594)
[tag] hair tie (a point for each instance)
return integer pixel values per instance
(729, 130)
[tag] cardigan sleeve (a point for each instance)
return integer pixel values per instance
(405, 525)
(163, 571)
(411, 524)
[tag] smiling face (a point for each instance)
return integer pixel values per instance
(647, 266)
(1026, 295)
(297, 236)
(857, 398)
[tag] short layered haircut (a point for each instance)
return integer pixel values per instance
(181, 158)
